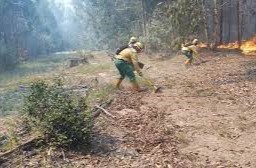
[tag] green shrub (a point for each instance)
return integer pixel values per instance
(60, 116)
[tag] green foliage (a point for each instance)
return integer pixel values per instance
(108, 24)
(8, 56)
(185, 16)
(28, 29)
(172, 22)
(46, 29)
(61, 117)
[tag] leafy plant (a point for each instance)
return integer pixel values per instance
(60, 116)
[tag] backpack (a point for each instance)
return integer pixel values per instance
(187, 44)
(118, 50)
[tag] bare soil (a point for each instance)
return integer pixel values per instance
(204, 117)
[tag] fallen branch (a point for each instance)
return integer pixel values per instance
(105, 111)
(96, 112)
(23, 147)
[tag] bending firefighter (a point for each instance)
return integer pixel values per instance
(126, 62)
(190, 51)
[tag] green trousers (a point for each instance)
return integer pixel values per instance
(125, 69)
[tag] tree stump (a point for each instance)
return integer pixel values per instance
(77, 61)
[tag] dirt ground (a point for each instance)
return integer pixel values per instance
(204, 117)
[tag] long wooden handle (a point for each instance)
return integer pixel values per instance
(148, 81)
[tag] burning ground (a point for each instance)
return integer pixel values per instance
(247, 47)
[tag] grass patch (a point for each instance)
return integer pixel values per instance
(9, 139)
(11, 102)
(33, 67)
(12, 82)
(93, 68)
(99, 94)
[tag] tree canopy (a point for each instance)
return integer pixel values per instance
(30, 28)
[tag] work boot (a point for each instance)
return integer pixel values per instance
(188, 63)
(136, 87)
(118, 83)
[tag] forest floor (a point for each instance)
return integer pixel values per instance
(204, 117)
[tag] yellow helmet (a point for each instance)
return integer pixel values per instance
(195, 41)
(139, 45)
(133, 40)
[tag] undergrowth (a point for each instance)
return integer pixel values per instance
(62, 118)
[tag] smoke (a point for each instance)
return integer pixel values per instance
(65, 16)
(62, 8)
(75, 23)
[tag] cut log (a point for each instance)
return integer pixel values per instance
(77, 61)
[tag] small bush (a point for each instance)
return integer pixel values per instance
(60, 116)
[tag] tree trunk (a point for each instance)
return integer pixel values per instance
(144, 22)
(238, 23)
(216, 18)
(229, 20)
(206, 26)
(221, 22)
(244, 2)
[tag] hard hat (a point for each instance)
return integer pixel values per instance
(133, 40)
(195, 41)
(139, 45)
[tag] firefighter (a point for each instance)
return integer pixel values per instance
(190, 51)
(132, 41)
(126, 62)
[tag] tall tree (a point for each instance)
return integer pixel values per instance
(238, 22)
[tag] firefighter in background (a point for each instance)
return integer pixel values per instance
(23, 54)
(126, 62)
(132, 41)
(190, 51)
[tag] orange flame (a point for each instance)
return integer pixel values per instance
(234, 45)
(202, 45)
(247, 47)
